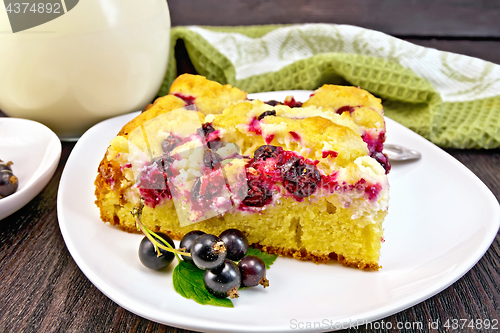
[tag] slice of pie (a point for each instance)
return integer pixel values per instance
(303, 180)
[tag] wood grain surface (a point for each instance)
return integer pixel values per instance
(43, 290)
(459, 18)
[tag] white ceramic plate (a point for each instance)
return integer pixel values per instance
(35, 151)
(442, 220)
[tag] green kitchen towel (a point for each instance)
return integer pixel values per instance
(452, 100)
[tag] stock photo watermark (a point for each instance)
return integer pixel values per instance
(449, 324)
(26, 14)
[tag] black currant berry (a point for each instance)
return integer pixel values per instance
(215, 144)
(383, 160)
(5, 165)
(205, 130)
(300, 178)
(208, 252)
(224, 280)
(149, 257)
(258, 195)
(266, 114)
(8, 183)
(267, 151)
(187, 242)
(236, 244)
(168, 144)
(163, 163)
(272, 102)
(205, 190)
(211, 160)
(253, 272)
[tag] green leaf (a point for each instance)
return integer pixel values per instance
(266, 257)
(188, 282)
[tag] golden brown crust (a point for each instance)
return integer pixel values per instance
(161, 105)
(306, 256)
(210, 97)
(334, 97)
(107, 171)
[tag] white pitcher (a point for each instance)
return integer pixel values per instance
(99, 59)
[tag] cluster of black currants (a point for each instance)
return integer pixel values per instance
(8, 182)
(218, 257)
(224, 260)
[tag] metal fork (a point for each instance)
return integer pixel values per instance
(400, 153)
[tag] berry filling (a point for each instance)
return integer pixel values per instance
(294, 135)
(170, 143)
(375, 142)
(269, 138)
(299, 177)
(345, 108)
(211, 136)
(125, 166)
(254, 126)
(189, 100)
(206, 191)
(330, 153)
(383, 160)
(211, 160)
(153, 179)
(153, 197)
(291, 102)
(372, 191)
(207, 131)
(369, 191)
(271, 173)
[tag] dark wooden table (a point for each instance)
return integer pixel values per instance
(43, 290)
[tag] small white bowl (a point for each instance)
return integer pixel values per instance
(35, 151)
